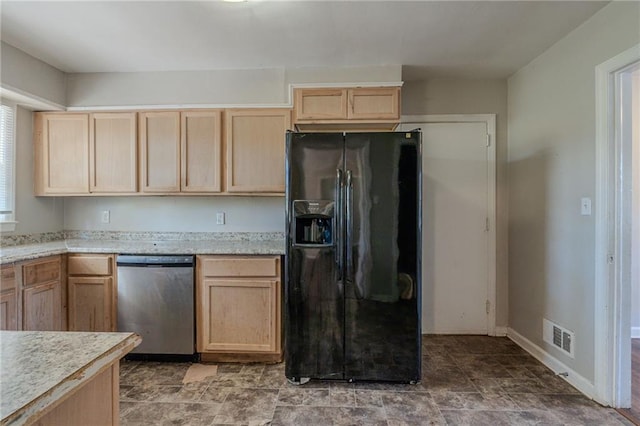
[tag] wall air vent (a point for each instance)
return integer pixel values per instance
(558, 336)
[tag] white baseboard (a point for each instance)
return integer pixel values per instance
(635, 332)
(575, 379)
(501, 331)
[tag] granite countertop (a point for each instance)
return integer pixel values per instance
(38, 368)
(18, 253)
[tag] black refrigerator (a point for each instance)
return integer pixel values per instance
(353, 256)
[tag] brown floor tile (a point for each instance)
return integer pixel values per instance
(475, 380)
(499, 418)
(248, 406)
(160, 413)
(410, 407)
(337, 416)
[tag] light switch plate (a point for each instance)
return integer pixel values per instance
(585, 206)
(219, 218)
(106, 216)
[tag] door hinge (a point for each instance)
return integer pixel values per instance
(488, 140)
(488, 307)
(486, 224)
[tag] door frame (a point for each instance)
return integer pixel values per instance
(490, 122)
(612, 316)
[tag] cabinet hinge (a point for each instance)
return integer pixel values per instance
(488, 306)
(488, 140)
(486, 224)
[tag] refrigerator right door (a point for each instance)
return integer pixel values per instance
(382, 256)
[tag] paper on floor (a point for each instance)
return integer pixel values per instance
(199, 372)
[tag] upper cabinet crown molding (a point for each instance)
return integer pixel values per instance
(358, 108)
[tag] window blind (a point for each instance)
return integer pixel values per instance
(7, 152)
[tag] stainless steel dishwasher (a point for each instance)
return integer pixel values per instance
(156, 301)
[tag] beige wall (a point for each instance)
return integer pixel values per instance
(458, 96)
(635, 242)
(175, 214)
(34, 215)
(23, 74)
(551, 106)
(218, 87)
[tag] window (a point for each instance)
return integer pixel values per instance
(7, 169)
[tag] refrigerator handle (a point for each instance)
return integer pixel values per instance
(349, 225)
(338, 225)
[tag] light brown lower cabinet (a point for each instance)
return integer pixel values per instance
(8, 298)
(42, 301)
(238, 308)
(92, 292)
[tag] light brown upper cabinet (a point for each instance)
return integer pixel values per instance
(201, 149)
(159, 136)
(112, 152)
(255, 142)
(61, 145)
(362, 108)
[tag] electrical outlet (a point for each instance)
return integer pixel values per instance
(220, 218)
(106, 217)
(585, 206)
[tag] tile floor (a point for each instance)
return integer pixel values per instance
(466, 380)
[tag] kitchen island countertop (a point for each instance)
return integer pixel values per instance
(38, 369)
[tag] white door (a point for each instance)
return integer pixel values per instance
(455, 270)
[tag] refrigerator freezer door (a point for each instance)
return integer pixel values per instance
(314, 297)
(382, 333)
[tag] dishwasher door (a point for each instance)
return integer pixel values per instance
(156, 301)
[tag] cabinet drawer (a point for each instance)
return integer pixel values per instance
(41, 271)
(90, 264)
(235, 266)
(7, 278)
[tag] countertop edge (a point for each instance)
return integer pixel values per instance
(43, 404)
(63, 247)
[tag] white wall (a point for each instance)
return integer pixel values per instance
(176, 88)
(177, 214)
(34, 215)
(473, 96)
(551, 107)
(635, 242)
(24, 74)
(219, 87)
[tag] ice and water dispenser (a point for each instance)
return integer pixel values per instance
(314, 222)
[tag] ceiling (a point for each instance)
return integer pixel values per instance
(489, 39)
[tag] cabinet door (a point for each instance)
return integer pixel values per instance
(381, 103)
(112, 152)
(240, 315)
(41, 307)
(62, 154)
(91, 302)
(320, 104)
(9, 310)
(201, 151)
(255, 149)
(8, 298)
(159, 151)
